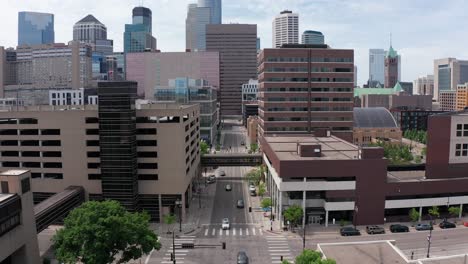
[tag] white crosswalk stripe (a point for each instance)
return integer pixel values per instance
(234, 231)
(180, 253)
(278, 247)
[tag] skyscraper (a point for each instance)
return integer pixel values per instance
(236, 44)
(313, 37)
(376, 67)
(448, 73)
(138, 35)
(392, 68)
(89, 30)
(35, 28)
(285, 29)
(195, 27)
(215, 10)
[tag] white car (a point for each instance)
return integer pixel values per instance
(225, 224)
(252, 188)
(221, 173)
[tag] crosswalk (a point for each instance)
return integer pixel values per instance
(278, 246)
(180, 253)
(233, 231)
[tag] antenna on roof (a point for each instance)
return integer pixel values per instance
(390, 38)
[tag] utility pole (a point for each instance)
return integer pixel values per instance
(173, 248)
(304, 237)
(429, 238)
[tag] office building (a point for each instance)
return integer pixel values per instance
(374, 123)
(195, 27)
(90, 31)
(190, 91)
(462, 97)
(305, 87)
(412, 119)
(407, 87)
(151, 69)
(138, 35)
(236, 44)
(249, 100)
(448, 73)
(330, 178)
(376, 67)
(216, 15)
(258, 45)
(424, 85)
(35, 28)
(120, 56)
(313, 37)
(355, 76)
(252, 129)
(285, 29)
(70, 145)
(18, 238)
(392, 68)
(448, 100)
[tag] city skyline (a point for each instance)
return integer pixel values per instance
(346, 27)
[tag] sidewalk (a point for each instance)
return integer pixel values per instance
(258, 214)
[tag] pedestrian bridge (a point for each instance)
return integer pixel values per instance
(57, 207)
(231, 159)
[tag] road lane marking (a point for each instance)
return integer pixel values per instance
(234, 232)
(220, 231)
(278, 250)
(149, 256)
(206, 232)
(253, 230)
(227, 232)
(261, 231)
(240, 231)
(246, 231)
(214, 232)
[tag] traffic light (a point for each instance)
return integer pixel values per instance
(223, 244)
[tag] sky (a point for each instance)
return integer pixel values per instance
(422, 30)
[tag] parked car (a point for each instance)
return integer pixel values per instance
(375, 230)
(228, 187)
(240, 203)
(423, 226)
(221, 173)
(253, 193)
(242, 143)
(252, 188)
(242, 258)
(211, 179)
(349, 231)
(225, 224)
(447, 224)
(398, 228)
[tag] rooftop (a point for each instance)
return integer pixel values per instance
(12, 172)
(89, 19)
(313, 32)
(381, 91)
(333, 148)
(373, 117)
(5, 196)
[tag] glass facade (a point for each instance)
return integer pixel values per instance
(35, 28)
(137, 38)
(445, 73)
(117, 142)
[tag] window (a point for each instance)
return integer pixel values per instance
(50, 131)
(94, 176)
(56, 165)
(8, 132)
(5, 188)
(28, 121)
(147, 154)
(93, 165)
(9, 143)
(148, 177)
(52, 154)
(91, 120)
(148, 166)
(30, 143)
(93, 154)
(92, 143)
(36, 175)
(11, 164)
(29, 164)
(25, 185)
(462, 130)
(92, 131)
(146, 131)
(147, 143)
(10, 154)
(461, 150)
(53, 175)
(48, 143)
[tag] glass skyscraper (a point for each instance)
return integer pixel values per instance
(35, 28)
(216, 11)
(137, 36)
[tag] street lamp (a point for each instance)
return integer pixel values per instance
(179, 204)
(429, 237)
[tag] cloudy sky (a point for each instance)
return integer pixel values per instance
(422, 29)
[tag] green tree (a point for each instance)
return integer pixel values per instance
(254, 147)
(454, 210)
(265, 203)
(261, 189)
(169, 219)
(204, 148)
(285, 262)
(254, 176)
(104, 232)
(309, 256)
(293, 214)
(434, 211)
(414, 215)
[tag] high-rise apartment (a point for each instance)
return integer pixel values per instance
(91, 31)
(313, 37)
(195, 27)
(236, 44)
(35, 28)
(448, 73)
(285, 29)
(305, 87)
(392, 68)
(216, 13)
(448, 100)
(462, 96)
(138, 35)
(424, 85)
(376, 67)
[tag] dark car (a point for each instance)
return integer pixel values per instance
(228, 187)
(349, 231)
(375, 230)
(211, 179)
(423, 226)
(240, 203)
(242, 258)
(447, 224)
(397, 228)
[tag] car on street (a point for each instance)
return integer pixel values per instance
(251, 187)
(242, 258)
(228, 187)
(242, 143)
(253, 193)
(221, 173)
(211, 179)
(423, 226)
(375, 230)
(225, 224)
(240, 203)
(398, 228)
(447, 224)
(349, 231)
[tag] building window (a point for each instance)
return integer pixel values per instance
(143, 143)
(92, 131)
(94, 176)
(50, 132)
(461, 150)
(56, 165)
(462, 130)
(25, 185)
(52, 154)
(148, 177)
(4, 187)
(91, 120)
(51, 143)
(92, 143)
(53, 175)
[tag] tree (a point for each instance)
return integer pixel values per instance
(254, 147)
(204, 148)
(169, 219)
(104, 232)
(261, 189)
(254, 176)
(434, 211)
(309, 256)
(414, 215)
(454, 210)
(265, 203)
(293, 214)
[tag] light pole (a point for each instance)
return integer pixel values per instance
(179, 204)
(304, 237)
(173, 248)
(429, 237)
